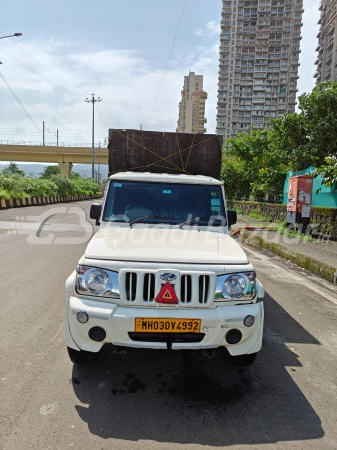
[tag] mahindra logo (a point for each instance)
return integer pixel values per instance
(168, 276)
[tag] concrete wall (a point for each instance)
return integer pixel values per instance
(35, 201)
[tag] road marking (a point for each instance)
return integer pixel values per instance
(60, 328)
(48, 409)
(300, 278)
(26, 227)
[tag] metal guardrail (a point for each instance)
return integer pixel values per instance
(49, 144)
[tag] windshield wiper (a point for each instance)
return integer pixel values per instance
(193, 219)
(149, 217)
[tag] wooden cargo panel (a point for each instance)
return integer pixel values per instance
(158, 152)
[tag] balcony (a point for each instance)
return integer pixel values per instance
(330, 44)
(329, 57)
(259, 101)
(327, 75)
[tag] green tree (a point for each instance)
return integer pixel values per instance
(257, 164)
(12, 169)
(328, 171)
(289, 139)
(293, 142)
(49, 171)
(319, 110)
(75, 176)
(235, 178)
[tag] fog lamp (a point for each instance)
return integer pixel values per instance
(82, 317)
(249, 321)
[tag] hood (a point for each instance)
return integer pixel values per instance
(165, 245)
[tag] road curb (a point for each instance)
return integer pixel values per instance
(323, 270)
(37, 201)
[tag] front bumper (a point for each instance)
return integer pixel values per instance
(118, 321)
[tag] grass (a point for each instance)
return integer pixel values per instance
(257, 216)
(253, 215)
(240, 211)
(292, 233)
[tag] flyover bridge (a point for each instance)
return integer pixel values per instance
(65, 155)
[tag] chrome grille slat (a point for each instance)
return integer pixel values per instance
(131, 286)
(203, 288)
(186, 291)
(148, 287)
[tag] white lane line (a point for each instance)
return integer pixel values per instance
(300, 278)
(25, 227)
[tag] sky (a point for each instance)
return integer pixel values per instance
(119, 50)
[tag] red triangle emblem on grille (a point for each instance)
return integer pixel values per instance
(167, 295)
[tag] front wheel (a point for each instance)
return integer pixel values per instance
(243, 360)
(81, 356)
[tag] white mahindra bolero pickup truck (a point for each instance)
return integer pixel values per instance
(162, 272)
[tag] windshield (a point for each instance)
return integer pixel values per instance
(171, 203)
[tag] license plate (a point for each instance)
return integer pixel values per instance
(167, 325)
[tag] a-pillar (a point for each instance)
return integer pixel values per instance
(65, 169)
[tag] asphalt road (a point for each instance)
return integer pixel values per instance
(156, 400)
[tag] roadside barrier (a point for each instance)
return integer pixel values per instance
(36, 201)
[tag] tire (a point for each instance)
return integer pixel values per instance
(243, 360)
(80, 357)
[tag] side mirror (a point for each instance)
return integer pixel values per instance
(231, 217)
(95, 212)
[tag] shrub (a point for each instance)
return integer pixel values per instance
(17, 186)
(13, 184)
(4, 194)
(36, 187)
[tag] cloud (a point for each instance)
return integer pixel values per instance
(127, 83)
(210, 29)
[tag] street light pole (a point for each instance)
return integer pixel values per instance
(93, 100)
(12, 35)
(99, 161)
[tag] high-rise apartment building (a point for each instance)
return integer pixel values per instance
(192, 106)
(259, 59)
(327, 42)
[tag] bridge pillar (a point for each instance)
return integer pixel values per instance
(65, 169)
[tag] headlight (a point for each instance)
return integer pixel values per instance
(236, 286)
(97, 282)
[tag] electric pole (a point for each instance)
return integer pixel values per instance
(43, 133)
(99, 161)
(57, 138)
(93, 100)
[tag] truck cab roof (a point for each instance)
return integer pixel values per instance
(165, 178)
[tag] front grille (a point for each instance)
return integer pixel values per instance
(186, 289)
(149, 287)
(166, 337)
(203, 288)
(139, 287)
(131, 286)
